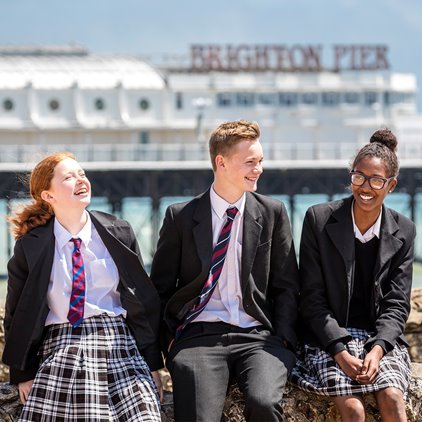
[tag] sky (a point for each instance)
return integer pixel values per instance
(152, 28)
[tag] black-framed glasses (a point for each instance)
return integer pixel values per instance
(376, 182)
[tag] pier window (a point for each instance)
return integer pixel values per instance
(266, 98)
(330, 98)
(143, 104)
(144, 137)
(398, 97)
(99, 104)
(309, 98)
(370, 98)
(54, 104)
(288, 99)
(245, 99)
(224, 99)
(8, 104)
(179, 100)
(351, 97)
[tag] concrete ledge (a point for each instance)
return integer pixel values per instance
(300, 406)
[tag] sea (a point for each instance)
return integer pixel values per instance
(138, 211)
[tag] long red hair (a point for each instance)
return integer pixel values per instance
(38, 212)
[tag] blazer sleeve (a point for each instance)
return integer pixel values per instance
(284, 280)
(316, 313)
(17, 268)
(152, 352)
(393, 295)
(165, 268)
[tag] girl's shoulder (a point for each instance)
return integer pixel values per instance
(106, 218)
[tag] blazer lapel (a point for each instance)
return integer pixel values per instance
(340, 231)
(105, 229)
(124, 258)
(251, 234)
(202, 232)
(389, 243)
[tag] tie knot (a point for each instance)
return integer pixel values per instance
(232, 211)
(77, 242)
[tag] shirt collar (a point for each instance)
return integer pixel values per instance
(371, 232)
(220, 205)
(63, 236)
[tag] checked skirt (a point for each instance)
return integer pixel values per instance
(93, 372)
(317, 372)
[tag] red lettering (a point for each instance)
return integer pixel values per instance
(339, 53)
(197, 56)
(213, 60)
(244, 58)
(261, 57)
(306, 58)
(312, 60)
(381, 54)
(282, 57)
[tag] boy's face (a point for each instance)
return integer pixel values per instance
(241, 168)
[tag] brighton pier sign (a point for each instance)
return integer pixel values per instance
(283, 58)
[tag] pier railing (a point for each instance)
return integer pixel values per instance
(190, 155)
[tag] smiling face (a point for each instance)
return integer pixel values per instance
(239, 170)
(368, 201)
(69, 188)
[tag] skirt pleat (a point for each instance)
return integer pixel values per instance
(317, 372)
(93, 372)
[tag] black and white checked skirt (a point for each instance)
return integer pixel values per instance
(92, 373)
(316, 371)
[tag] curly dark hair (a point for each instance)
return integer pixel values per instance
(383, 145)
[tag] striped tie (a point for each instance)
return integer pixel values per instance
(217, 262)
(77, 297)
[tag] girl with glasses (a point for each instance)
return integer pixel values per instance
(356, 259)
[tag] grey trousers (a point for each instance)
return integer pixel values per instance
(209, 355)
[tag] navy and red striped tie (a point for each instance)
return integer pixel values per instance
(217, 262)
(77, 297)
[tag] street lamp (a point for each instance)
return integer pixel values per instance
(200, 103)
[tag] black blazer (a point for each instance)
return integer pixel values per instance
(269, 273)
(29, 272)
(327, 265)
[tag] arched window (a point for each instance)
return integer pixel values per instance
(8, 104)
(54, 104)
(144, 104)
(99, 104)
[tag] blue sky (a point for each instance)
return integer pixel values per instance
(156, 27)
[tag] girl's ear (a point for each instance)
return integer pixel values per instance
(392, 186)
(45, 195)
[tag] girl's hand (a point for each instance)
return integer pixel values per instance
(350, 365)
(371, 365)
(157, 379)
(24, 389)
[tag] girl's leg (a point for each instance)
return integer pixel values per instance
(391, 405)
(351, 408)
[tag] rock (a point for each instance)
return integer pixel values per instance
(300, 406)
(10, 405)
(413, 330)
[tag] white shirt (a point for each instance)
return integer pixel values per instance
(225, 303)
(101, 276)
(370, 233)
